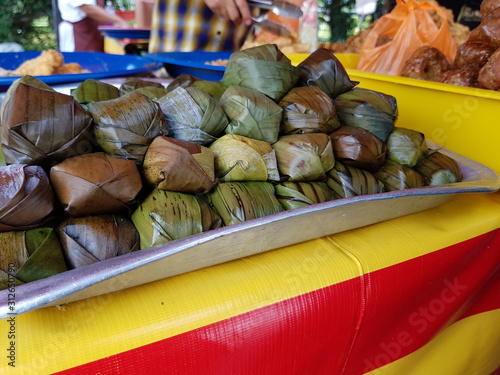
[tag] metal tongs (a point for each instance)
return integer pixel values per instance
(280, 8)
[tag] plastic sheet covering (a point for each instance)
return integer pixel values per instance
(416, 295)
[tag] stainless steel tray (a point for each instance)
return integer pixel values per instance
(244, 239)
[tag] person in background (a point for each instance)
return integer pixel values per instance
(78, 30)
(199, 25)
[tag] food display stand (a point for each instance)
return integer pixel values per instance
(417, 294)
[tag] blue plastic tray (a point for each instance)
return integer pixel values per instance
(193, 63)
(100, 64)
(121, 33)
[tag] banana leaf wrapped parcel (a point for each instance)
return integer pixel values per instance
(90, 239)
(126, 126)
(177, 165)
(300, 194)
(395, 176)
(237, 202)
(29, 255)
(307, 109)
(439, 169)
(193, 115)
(26, 197)
(96, 184)
(92, 90)
(346, 181)
(41, 126)
(251, 114)
(151, 89)
(167, 215)
(263, 68)
(239, 158)
(406, 146)
(304, 157)
(368, 109)
(324, 70)
(358, 148)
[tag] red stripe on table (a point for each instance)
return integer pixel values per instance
(348, 328)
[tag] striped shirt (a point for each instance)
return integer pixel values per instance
(189, 25)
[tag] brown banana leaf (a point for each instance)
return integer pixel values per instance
(241, 201)
(183, 80)
(26, 197)
(439, 169)
(96, 184)
(251, 114)
(300, 194)
(239, 158)
(193, 115)
(346, 181)
(29, 255)
(43, 127)
(90, 239)
(166, 216)
(395, 176)
(358, 148)
(323, 69)
(307, 109)
(263, 68)
(304, 157)
(126, 126)
(177, 165)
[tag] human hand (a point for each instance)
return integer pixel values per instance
(236, 11)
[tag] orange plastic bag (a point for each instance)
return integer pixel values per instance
(410, 26)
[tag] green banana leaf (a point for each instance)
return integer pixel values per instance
(439, 169)
(406, 146)
(263, 68)
(237, 202)
(300, 194)
(346, 181)
(251, 114)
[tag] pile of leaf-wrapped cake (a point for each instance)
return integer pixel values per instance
(106, 171)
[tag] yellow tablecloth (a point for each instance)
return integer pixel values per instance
(415, 295)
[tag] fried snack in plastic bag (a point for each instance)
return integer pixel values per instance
(408, 27)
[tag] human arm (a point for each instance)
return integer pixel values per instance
(100, 15)
(237, 11)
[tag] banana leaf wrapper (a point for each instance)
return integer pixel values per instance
(126, 126)
(237, 202)
(134, 83)
(183, 80)
(41, 126)
(90, 239)
(324, 70)
(304, 157)
(406, 146)
(307, 109)
(165, 216)
(29, 255)
(368, 109)
(251, 114)
(395, 176)
(193, 115)
(177, 165)
(26, 197)
(358, 148)
(300, 194)
(239, 158)
(92, 90)
(439, 169)
(263, 68)
(346, 181)
(214, 89)
(96, 184)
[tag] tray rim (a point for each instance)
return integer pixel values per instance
(65, 286)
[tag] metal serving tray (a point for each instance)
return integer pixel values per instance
(244, 239)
